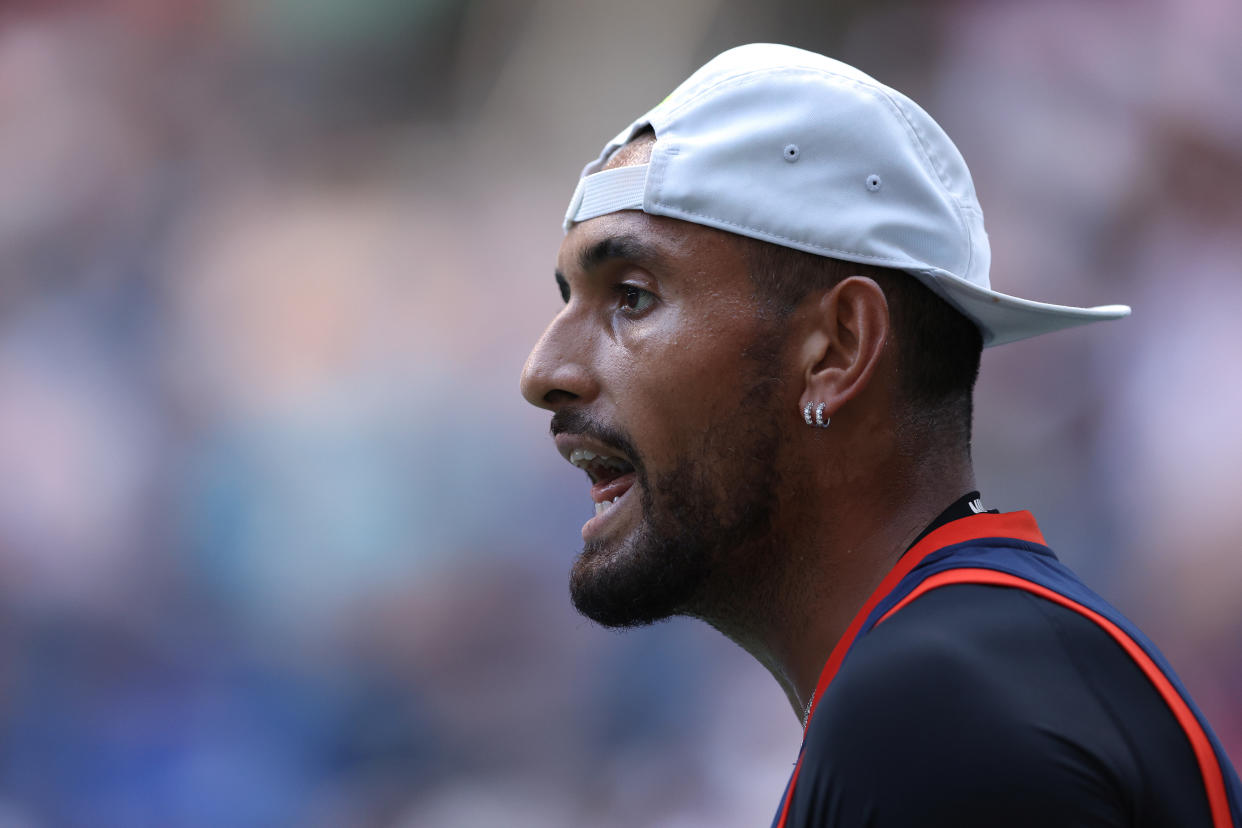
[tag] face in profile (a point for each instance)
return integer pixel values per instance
(663, 378)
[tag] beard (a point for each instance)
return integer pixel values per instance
(699, 545)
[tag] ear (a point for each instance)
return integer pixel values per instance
(848, 331)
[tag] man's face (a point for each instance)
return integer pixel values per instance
(663, 376)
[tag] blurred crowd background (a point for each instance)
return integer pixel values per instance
(280, 544)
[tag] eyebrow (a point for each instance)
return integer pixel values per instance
(626, 247)
(614, 248)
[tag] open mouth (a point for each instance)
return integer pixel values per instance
(611, 476)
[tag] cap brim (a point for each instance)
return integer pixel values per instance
(1004, 318)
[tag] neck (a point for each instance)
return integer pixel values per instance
(836, 540)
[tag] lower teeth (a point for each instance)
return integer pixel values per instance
(604, 506)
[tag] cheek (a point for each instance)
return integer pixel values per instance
(673, 388)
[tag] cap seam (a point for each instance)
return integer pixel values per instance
(656, 168)
(731, 80)
(957, 205)
(745, 76)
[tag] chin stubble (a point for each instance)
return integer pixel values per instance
(704, 545)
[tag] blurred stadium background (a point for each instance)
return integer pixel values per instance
(280, 544)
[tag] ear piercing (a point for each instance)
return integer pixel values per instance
(820, 421)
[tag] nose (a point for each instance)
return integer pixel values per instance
(558, 370)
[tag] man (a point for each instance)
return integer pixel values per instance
(776, 294)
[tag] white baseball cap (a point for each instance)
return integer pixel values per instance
(804, 151)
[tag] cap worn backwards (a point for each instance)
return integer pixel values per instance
(794, 148)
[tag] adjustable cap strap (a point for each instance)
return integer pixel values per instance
(620, 188)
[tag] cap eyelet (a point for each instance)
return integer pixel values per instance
(873, 182)
(791, 153)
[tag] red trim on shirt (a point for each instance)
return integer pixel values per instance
(1019, 525)
(1209, 765)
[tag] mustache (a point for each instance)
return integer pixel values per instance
(576, 421)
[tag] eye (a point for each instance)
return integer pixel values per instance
(634, 299)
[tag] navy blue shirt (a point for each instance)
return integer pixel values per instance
(988, 706)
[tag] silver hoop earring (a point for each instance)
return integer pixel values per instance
(818, 408)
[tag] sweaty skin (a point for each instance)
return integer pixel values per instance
(736, 512)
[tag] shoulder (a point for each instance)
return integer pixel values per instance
(965, 709)
(977, 641)
(962, 664)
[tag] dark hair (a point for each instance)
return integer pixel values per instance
(938, 347)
